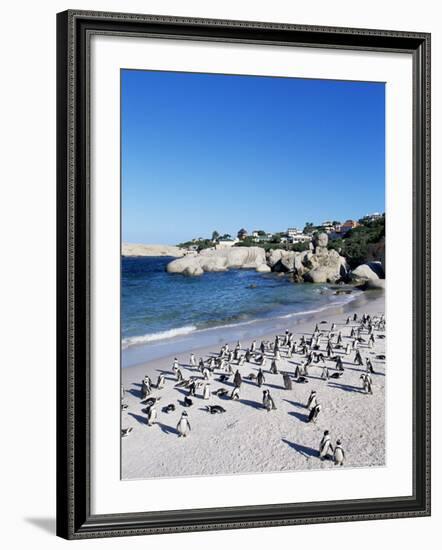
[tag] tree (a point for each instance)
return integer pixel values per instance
(335, 222)
(308, 228)
(215, 236)
(242, 234)
(226, 237)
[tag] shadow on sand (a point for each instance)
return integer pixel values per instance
(250, 403)
(346, 387)
(135, 393)
(295, 403)
(299, 416)
(302, 449)
(167, 429)
(138, 418)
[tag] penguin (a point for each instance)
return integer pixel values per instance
(253, 347)
(302, 380)
(358, 358)
(312, 400)
(237, 380)
(192, 388)
(314, 413)
(367, 383)
(175, 364)
(241, 360)
(151, 416)
(179, 375)
(336, 375)
(126, 431)
(274, 367)
(267, 401)
(150, 401)
(187, 402)
(339, 455)
(161, 381)
(206, 391)
(339, 365)
(192, 360)
(124, 406)
(168, 408)
(251, 376)
(325, 374)
(183, 426)
(206, 373)
(222, 392)
(260, 378)
(215, 409)
(235, 393)
(325, 447)
(287, 381)
(146, 387)
(370, 368)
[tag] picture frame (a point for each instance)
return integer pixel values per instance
(75, 519)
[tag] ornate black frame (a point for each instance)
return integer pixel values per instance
(74, 519)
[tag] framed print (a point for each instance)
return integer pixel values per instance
(243, 274)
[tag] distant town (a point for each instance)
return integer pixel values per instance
(292, 237)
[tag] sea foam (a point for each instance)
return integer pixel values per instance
(152, 337)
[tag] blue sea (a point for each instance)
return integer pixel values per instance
(170, 313)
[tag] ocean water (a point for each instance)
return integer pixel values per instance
(159, 308)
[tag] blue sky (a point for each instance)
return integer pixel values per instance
(204, 152)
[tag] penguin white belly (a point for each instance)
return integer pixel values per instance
(339, 456)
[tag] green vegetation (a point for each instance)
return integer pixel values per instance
(299, 247)
(198, 244)
(363, 243)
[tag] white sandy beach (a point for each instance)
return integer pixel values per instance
(247, 438)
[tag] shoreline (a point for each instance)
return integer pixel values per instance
(247, 439)
(192, 338)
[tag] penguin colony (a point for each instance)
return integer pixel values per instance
(326, 352)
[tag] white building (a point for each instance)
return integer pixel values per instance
(293, 231)
(300, 238)
(295, 236)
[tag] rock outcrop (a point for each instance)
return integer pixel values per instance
(372, 271)
(319, 265)
(210, 260)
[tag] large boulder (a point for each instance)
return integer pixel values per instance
(210, 260)
(215, 263)
(317, 275)
(319, 265)
(263, 268)
(371, 271)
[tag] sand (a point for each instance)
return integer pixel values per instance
(129, 249)
(247, 438)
